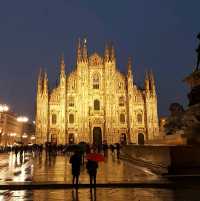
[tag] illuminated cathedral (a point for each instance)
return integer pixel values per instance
(96, 103)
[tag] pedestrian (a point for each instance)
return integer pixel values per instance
(75, 161)
(112, 148)
(16, 151)
(118, 150)
(105, 148)
(92, 171)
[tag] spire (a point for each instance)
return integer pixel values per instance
(79, 51)
(146, 82)
(45, 84)
(152, 82)
(39, 83)
(129, 66)
(62, 64)
(106, 53)
(112, 53)
(85, 53)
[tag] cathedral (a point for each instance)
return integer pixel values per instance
(96, 103)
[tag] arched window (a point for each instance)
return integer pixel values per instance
(54, 119)
(122, 118)
(96, 105)
(139, 118)
(71, 118)
(71, 101)
(95, 81)
(121, 101)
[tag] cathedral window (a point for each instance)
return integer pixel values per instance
(71, 101)
(122, 118)
(95, 81)
(96, 105)
(71, 118)
(121, 101)
(139, 118)
(54, 119)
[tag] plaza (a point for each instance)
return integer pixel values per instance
(39, 169)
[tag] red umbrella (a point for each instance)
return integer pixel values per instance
(95, 157)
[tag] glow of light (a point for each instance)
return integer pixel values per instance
(22, 119)
(24, 136)
(32, 137)
(13, 134)
(33, 122)
(4, 108)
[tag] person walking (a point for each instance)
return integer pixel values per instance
(118, 150)
(112, 148)
(92, 171)
(75, 161)
(105, 148)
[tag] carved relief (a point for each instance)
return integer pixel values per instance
(95, 60)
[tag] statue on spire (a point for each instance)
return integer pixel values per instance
(85, 53)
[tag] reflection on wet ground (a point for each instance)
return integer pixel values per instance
(57, 168)
(102, 195)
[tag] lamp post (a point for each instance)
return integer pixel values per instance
(22, 120)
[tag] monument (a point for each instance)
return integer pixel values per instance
(191, 117)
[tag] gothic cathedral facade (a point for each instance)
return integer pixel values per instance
(96, 103)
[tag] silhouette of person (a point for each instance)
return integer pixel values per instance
(118, 150)
(75, 161)
(92, 195)
(198, 53)
(92, 171)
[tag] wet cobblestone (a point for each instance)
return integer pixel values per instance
(42, 169)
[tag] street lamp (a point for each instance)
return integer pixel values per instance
(22, 120)
(4, 108)
(32, 137)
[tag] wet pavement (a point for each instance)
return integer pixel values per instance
(57, 168)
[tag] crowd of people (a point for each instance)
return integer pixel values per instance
(77, 152)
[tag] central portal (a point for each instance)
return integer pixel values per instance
(97, 136)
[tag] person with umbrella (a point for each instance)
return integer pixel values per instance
(92, 166)
(92, 171)
(75, 161)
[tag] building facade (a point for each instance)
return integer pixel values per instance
(96, 102)
(10, 128)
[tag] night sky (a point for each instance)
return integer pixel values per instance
(159, 35)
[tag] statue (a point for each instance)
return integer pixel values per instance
(198, 53)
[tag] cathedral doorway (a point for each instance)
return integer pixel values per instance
(123, 138)
(97, 136)
(141, 138)
(71, 138)
(54, 138)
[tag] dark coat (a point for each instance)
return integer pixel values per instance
(75, 160)
(92, 167)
